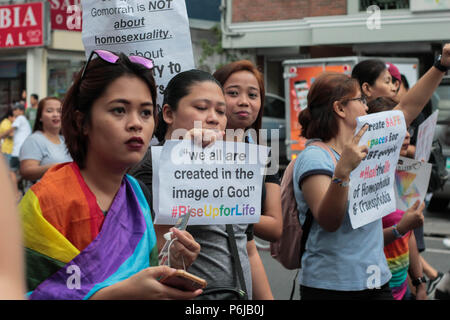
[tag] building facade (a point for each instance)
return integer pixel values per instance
(49, 67)
(284, 29)
(44, 68)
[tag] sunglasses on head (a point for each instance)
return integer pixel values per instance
(113, 58)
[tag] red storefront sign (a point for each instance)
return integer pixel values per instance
(66, 14)
(22, 25)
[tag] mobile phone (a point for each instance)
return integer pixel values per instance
(164, 253)
(183, 221)
(184, 281)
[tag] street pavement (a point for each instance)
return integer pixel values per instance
(437, 223)
(436, 228)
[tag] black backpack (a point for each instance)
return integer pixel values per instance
(439, 174)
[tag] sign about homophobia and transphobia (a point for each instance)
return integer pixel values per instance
(371, 192)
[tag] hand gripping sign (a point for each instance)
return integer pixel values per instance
(220, 184)
(371, 192)
(411, 182)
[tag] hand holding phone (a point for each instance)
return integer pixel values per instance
(181, 224)
(184, 281)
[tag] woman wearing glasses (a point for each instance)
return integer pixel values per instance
(340, 262)
(88, 228)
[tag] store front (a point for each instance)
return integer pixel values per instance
(36, 54)
(12, 81)
(62, 69)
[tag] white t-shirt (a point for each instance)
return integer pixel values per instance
(22, 131)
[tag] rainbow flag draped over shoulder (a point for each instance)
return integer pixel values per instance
(72, 249)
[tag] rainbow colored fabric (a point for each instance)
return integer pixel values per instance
(67, 236)
(397, 255)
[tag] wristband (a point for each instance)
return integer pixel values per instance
(340, 182)
(416, 282)
(437, 64)
(396, 233)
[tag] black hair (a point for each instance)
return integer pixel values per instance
(177, 88)
(381, 104)
(405, 81)
(368, 71)
(319, 120)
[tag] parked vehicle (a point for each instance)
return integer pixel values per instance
(274, 119)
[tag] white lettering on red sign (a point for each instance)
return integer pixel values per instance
(21, 25)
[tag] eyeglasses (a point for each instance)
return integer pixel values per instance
(113, 58)
(360, 99)
(410, 131)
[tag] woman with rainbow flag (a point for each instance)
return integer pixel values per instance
(88, 229)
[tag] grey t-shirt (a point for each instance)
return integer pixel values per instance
(214, 262)
(38, 147)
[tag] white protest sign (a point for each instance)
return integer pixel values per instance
(156, 154)
(425, 137)
(411, 182)
(220, 184)
(155, 29)
(371, 193)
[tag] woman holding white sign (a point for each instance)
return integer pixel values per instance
(341, 262)
(244, 94)
(88, 229)
(196, 96)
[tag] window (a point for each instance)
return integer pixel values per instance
(384, 4)
(61, 75)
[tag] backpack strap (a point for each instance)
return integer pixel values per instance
(325, 147)
(236, 261)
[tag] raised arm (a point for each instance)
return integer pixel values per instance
(417, 97)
